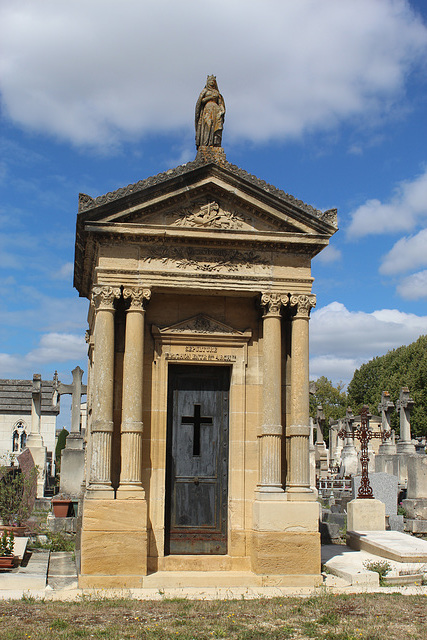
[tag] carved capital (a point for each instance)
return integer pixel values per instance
(103, 297)
(273, 302)
(303, 303)
(138, 297)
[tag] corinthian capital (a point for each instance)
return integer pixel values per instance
(273, 302)
(138, 296)
(103, 297)
(303, 303)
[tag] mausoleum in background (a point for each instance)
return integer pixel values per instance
(200, 290)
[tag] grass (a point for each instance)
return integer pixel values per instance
(326, 617)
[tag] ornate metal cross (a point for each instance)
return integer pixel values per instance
(364, 434)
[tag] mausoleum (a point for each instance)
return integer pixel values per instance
(200, 289)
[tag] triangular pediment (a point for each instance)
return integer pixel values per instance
(207, 198)
(200, 324)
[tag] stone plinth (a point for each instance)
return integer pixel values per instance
(113, 543)
(365, 515)
(384, 487)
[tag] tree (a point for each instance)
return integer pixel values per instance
(332, 398)
(404, 366)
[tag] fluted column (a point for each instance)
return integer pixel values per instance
(132, 426)
(298, 432)
(103, 381)
(270, 439)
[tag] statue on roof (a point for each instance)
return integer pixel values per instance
(210, 113)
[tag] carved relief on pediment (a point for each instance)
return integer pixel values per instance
(211, 216)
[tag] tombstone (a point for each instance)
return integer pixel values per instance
(403, 407)
(415, 503)
(199, 284)
(322, 454)
(312, 455)
(349, 460)
(385, 488)
(35, 441)
(385, 407)
(73, 455)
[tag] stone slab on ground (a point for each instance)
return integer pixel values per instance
(62, 573)
(392, 545)
(30, 577)
(416, 526)
(350, 565)
(20, 544)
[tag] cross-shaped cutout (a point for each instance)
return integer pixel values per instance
(196, 420)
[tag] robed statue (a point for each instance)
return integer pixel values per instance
(210, 112)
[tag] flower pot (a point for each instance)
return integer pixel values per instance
(18, 532)
(61, 507)
(7, 562)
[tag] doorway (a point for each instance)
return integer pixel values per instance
(197, 460)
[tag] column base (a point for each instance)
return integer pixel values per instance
(99, 492)
(130, 492)
(301, 494)
(405, 447)
(113, 542)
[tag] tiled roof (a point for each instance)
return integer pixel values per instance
(15, 397)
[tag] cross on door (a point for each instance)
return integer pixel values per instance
(196, 420)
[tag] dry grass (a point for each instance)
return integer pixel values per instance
(328, 617)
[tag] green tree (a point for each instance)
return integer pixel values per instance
(332, 398)
(405, 366)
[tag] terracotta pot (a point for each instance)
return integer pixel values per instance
(61, 507)
(18, 532)
(7, 562)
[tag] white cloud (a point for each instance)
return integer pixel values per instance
(329, 255)
(98, 72)
(406, 208)
(408, 253)
(414, 286)
(53, 348)
(65, 272)
(342, 340)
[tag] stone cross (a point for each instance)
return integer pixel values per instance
(346, 434)
(404, 406)
(320, 420)
(76, 390)
(385, 407)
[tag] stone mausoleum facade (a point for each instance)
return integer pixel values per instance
(200, 290)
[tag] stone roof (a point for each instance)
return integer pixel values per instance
(205, 156)
(16, 395)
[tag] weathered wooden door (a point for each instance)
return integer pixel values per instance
(197, 460)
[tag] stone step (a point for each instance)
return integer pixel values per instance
(209, 563)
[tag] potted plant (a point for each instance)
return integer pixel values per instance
(61, 505)
(17, 496)
(7, 543)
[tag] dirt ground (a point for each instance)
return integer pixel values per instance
(326, 617)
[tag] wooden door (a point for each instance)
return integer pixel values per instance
(197, 460)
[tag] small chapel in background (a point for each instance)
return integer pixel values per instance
(200, 290)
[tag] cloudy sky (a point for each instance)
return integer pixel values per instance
(325, 99)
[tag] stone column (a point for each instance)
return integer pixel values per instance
(132, 427)
(103, 382)
(270, 439)
(404, 406)
(299, 429)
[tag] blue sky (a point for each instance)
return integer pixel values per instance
(325, 99)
